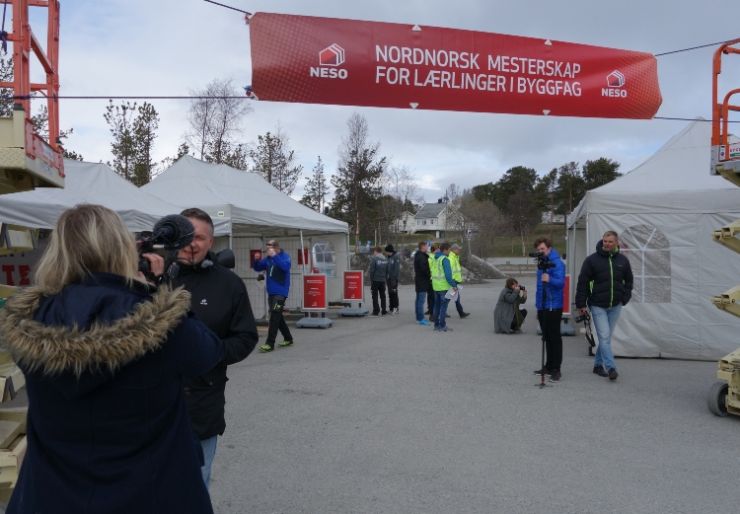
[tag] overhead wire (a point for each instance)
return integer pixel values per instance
(247, 97)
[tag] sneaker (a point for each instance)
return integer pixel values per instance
(384, 313)
(285, 343)
(555, 376)
(599, 370)
(265, 348)
(447, 329)
(613, 374)
(376, 314)
(423, 322)
(464, 315)
(541, 371)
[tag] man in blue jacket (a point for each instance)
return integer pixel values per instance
(549, 301)
(277, 266)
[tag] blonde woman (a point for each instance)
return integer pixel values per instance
(104, 357)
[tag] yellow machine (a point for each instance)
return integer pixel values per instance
(724, 395)
(26, 161)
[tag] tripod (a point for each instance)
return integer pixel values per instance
(542, 383)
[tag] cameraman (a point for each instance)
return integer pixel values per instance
(549, 302)
(507, 316)
(220, 300)
(605, 284)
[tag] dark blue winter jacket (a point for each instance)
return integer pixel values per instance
(278, 273)
(553, 290)
(108, 427)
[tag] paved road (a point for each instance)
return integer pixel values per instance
(380, 415)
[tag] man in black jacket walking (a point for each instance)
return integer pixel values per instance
(422, 278)
(605, 285)
(220, 300)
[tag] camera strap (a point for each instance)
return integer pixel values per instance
(589, 333)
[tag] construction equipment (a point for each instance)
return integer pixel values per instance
(26, 161)
(724, 395)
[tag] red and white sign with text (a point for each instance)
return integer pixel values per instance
(354, 289)
(314, 292)
(349, 62)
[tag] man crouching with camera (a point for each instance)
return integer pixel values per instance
(605, 284)
(549, 302)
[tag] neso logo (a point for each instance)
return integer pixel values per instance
(330, 58)
(615, 83)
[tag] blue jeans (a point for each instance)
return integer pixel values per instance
(440, 309)
(421, 298)
(209, 452)
(605, 320)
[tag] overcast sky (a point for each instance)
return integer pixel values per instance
(173, 47)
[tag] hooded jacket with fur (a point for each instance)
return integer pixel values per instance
(108, 428)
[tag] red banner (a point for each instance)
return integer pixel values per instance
(314, 292)
(349, 62)
(353, 286)
(566, 295)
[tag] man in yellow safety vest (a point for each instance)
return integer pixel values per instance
(442, 283)
(454, 256)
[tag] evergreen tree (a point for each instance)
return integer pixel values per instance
(599, 172)
(144, 130)
(120, 119)
(274, 161)
(316, 189)
(358, 181)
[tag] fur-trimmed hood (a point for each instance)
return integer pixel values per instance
(133, 325)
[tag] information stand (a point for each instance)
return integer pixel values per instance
(354, 294)
(314, 302)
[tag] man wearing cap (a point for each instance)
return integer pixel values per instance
(394, 273)
(277, 265)
(455, 250)
(377, 271)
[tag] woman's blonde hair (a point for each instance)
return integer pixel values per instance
(87, 239)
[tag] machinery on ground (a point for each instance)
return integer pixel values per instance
(27, 161)
(724, 395)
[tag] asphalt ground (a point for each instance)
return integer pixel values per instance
(381, 415)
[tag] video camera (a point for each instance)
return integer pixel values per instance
(171, 233)
(543, 261)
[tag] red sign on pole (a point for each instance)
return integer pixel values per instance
(350, 62)
(314, 292)
(302, 256)
(353, 286)
(566, 295)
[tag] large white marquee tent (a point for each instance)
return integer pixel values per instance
(665, 211)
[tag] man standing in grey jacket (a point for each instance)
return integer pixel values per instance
(378, 273)
(394, 273)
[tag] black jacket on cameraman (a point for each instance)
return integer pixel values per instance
(605, 279)
(218, 299)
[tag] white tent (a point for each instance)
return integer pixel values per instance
(85, 182)
(665, 211)
(249, 202)
(249, 211)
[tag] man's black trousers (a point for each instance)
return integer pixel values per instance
(550, 326)
(392, 293)
(277, 321)
(376, 288)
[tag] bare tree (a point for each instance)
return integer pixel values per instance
(214, 118)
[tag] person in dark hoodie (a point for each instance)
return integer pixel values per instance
(394, 274)
(422, 278)
(605, 285)
(276, 264)
(220, 300)
(378, 273)
(105, 356)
